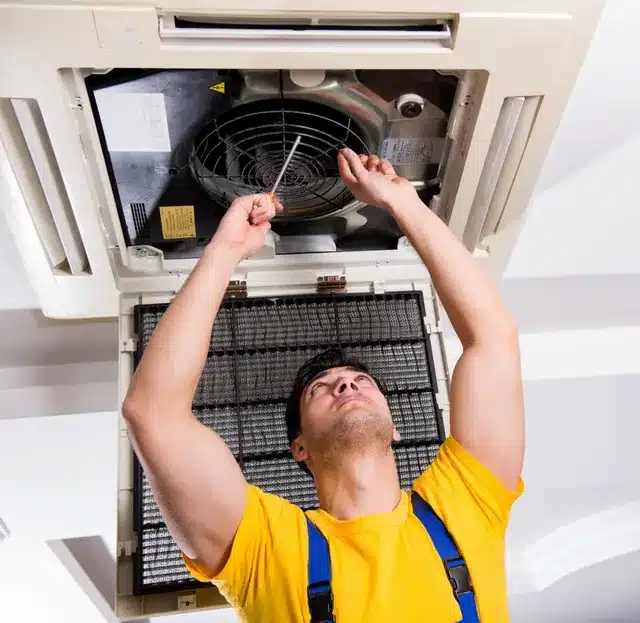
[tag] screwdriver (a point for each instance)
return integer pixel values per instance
(272, 194)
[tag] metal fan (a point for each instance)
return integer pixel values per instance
(242, 151)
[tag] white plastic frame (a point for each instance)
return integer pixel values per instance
(129, 606)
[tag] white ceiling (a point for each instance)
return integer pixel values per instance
(601, 594)
(603, 110)
(16, 293)
(584, 216)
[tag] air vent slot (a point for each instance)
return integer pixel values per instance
(34, 164)
(496, 217)
(140, 221)
(312, 23)
(178, 29)
(506, 149)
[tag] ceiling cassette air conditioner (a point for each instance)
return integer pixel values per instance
(126, 130)
(122, 145)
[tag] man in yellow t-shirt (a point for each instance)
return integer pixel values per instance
(384, 565)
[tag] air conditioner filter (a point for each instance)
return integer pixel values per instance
(257, 347)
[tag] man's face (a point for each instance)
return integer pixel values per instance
(342, 409)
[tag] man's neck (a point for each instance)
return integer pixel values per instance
(359, 485)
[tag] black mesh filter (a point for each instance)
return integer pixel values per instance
(412, 460)
(257, 347)
(162, 561)
(283, 477)
(242, 151)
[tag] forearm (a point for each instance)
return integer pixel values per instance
(167, 376)
(486, 387)
(468, 295)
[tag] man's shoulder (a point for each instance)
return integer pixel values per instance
(460, 488)
(275, 507)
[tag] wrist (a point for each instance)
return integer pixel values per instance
(222, 254)
(400, 205)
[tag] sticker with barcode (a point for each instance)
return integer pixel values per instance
(408, 150)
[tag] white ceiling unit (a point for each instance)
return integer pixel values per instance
(100, 104)
(126, 128)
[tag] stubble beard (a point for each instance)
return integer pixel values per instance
(359, 432)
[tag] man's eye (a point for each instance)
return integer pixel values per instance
(313, 389)
(363, 377)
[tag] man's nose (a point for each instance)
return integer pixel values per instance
(347, 384)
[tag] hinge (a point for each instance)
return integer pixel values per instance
(129, 346)
(332, 283)
(236, 289)
(187, 602)
(434, 328)
(378, 287)
(127, 548)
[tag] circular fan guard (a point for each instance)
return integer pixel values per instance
(242, 151)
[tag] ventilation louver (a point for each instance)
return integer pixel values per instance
(140, 220)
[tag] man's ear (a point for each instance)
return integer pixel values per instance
(299, 450)
(396, 434)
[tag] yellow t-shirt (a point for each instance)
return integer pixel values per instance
(384, 567)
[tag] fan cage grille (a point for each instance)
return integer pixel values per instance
(242, 151)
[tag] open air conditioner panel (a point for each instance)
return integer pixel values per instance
(180, 145)
(257, 347)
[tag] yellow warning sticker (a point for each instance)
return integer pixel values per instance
(177, 222)
(218, 88)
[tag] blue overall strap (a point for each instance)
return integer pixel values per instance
(319, 591)
(454, 563)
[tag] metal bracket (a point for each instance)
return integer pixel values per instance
(378, 287)
(331, 283)
(129, 346)
(236, 289)
(127, 548)
(145, 259)
(434, 328)
(187, 602)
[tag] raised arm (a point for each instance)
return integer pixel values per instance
(196, 481)
(487, 412)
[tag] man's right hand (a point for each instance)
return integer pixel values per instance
(374, 181)
(245, 224)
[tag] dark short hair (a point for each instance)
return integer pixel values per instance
(330, 358)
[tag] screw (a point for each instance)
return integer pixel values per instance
(410, 109)
(142, 252)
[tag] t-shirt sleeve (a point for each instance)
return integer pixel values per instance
(258, 547)
(463, 491)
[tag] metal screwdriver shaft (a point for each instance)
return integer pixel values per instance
(286, 164)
